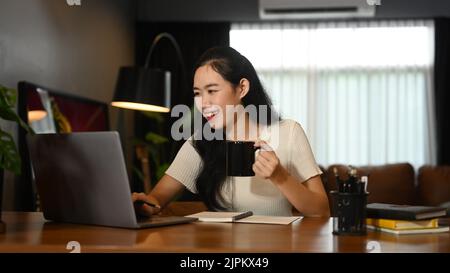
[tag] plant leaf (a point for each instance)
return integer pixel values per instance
(139, 173)
(154, 155)
(7, 104)
(9, 155)
(136, 141)
(7, 113)
(158, 117)
(161, 170)
(9, 95)
(155, 138)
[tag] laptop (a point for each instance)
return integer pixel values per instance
(81, 178)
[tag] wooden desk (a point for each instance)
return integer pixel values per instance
(29, 232)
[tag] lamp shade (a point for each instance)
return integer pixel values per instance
(145, 89)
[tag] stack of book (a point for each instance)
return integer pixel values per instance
(404, 219)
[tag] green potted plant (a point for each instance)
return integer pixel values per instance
(151, 149)
(9, 155)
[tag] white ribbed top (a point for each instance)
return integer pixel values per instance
(253, 193)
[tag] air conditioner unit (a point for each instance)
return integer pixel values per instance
(316, 9)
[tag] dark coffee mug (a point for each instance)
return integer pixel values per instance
(240, 158)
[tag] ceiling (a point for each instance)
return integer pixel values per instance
(247, 10)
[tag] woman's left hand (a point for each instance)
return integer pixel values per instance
(267, 165)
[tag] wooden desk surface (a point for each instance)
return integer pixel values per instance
(29, 232)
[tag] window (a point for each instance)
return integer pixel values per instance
(361, 90)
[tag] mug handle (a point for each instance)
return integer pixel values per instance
(255, 149)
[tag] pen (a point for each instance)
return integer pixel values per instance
(338, 181)
(365, 180)
(141, 202)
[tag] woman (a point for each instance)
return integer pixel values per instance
(286, 175)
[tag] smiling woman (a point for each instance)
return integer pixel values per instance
(286, 174)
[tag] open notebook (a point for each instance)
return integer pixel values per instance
(242, 217)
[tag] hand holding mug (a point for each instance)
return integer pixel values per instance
(267, 164)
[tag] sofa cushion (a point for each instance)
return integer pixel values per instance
(434, 185)
(391, 183)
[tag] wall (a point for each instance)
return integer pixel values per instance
(78, 49)
(247, 10)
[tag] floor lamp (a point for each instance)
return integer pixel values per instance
(147, 89)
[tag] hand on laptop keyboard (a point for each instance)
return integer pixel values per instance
(143, 209)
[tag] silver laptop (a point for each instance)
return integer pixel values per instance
(81, 178)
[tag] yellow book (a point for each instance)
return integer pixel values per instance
(402, 224)
(410, 231)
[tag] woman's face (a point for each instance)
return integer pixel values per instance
(212, 93)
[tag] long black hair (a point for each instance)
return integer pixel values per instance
(233, 67)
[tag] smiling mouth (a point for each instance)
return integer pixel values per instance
(209, 116)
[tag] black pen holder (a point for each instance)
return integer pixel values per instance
(349, 213)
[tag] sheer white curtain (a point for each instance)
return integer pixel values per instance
(361, 90)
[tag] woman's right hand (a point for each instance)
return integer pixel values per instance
(144, 209)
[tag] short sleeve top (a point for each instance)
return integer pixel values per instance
(259, 195)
